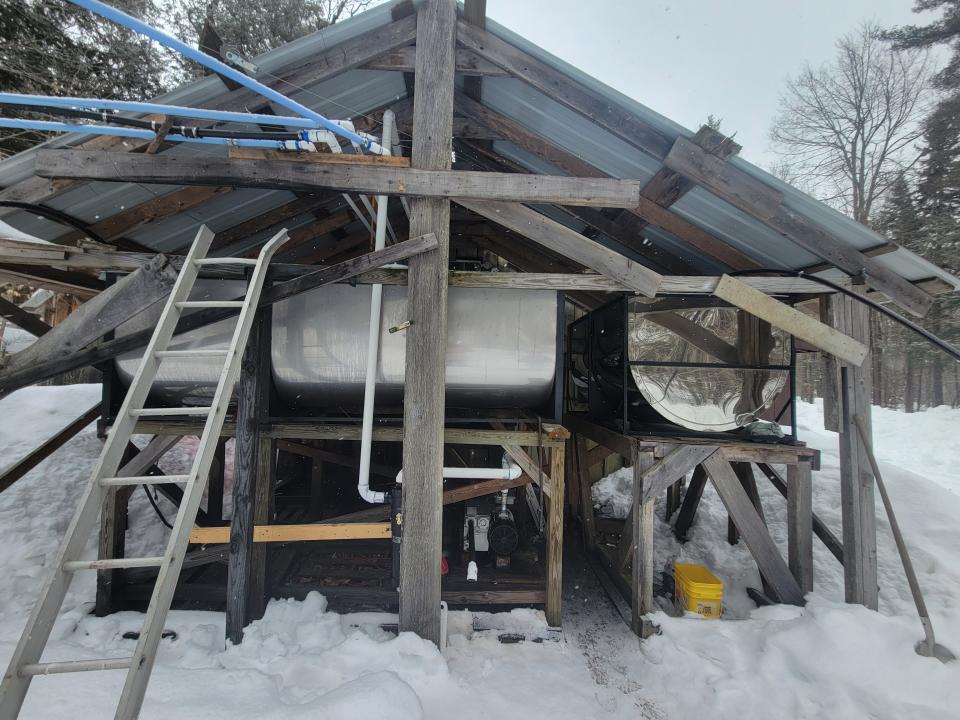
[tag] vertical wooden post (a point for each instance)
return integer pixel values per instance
(215, 483)
(642, 519)
(426, 341)
(555, 507)
(584, 487)
(251, 393)
(113, 533)
(262, 515)
(858, 505)
(800, 524)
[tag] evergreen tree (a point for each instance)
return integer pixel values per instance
(50, 47)
(254, 27)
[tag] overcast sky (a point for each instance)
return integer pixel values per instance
(687, 59)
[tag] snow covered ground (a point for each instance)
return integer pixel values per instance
(826, 660)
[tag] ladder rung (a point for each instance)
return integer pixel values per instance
(189, 304)
(225, 261)
(143, 480)
(161, 412)
(189, 353)
(116, 564)
(54, 668)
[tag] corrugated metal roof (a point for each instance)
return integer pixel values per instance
(360, 91)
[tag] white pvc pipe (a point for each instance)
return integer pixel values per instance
(373, 341)
(469, 473)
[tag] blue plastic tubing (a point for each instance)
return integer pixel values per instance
(49, 126)
(121, 18)
(75, 103)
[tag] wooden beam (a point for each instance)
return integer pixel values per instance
(564, 90)
(475, 13)
(402, 60)
(754, 532)
(81, 284)
(110, 349)
(641, 538)
(573, 245)
(672, 467)
(423, 411)
(587, 516)
(757, 200)
(297, 533)
(691, 501)
(555, 502)
(820, 528)
(93, 319)
(151, 211)
(790, 320)
(265, 221)
(697, 335)
(310, 177)
(646, 211)
(322, 158)
(800, 524)
(20, 468)
(23, 319)
(252, 394)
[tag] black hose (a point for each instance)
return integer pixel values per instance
(57, 216)
(156, 508)
(909, 324)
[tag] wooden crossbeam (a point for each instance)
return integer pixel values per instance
(754, 532)
(296, 533)
(20, 468)
(672, 467)
(573, 245)
(469, 64)
(22, 319)
(307, 177)
(792, 321)
(104, 313)
(353, 159)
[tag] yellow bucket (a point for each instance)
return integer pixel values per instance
(697, 590)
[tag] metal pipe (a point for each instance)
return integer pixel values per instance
(89, 129)
(373, 341)
(121, 18)
(78, 103)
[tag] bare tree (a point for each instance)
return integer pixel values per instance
(851, 127)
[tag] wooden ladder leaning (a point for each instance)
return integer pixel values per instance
(25, 663)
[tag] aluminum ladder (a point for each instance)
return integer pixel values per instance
(25, 663)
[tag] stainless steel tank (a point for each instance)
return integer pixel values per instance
(501, 347)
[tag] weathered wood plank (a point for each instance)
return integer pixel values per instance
(424, 393)
(555, 509)
(820, 528)
(250, 399)
(754, 532)
(314, 176)
(468, 63)
(20, 468)
(672, 467)
(691, 501)
(641, 525)
(792, 321)
(800, 524)
(104, 313)
(587, 515)
(324, 158)
(573, 245)
(22, 319)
